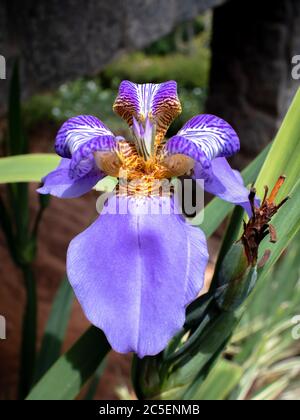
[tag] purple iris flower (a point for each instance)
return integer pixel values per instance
(134, 272)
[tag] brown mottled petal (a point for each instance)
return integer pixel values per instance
(108, 162)
(179, 165)
(157, 101)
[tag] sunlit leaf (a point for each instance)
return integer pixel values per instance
(27, 168)
(219, 383)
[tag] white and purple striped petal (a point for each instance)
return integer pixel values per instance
(204, 138)
(78, 131)
(209, 140)
(157, 101)
(122, 272)
(82, 161)
(79, 138)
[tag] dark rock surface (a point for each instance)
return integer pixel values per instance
(251, 82)
(61, 40)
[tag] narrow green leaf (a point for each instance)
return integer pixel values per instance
(231, 235)
(27, 168)
(29, 329)
(107, 184)
(272, 391)
(92, 389)
(55, 329)
(284, 156)
(67, 376)
(220, 382)
(213, 338)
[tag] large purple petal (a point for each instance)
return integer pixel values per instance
(135, 273)
(157, 101)
(204, 138)
(224, 182)
(59, 184)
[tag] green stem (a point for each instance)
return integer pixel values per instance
(231, 235)
(29, 328)
(6, 225)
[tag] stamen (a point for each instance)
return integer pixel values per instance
(144, 137)
(265, 195)
(276, 189)
(149, 137)
(252, 200)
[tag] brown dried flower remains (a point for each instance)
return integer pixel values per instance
(259, 226)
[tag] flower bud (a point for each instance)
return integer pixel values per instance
(236, 279)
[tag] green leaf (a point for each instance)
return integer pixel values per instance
(284, 156)
(186, 372)
(92, 389)
(29, 333)
(107, 184)
(27, 168)
(271, 392)
(220, 382)
(55, 329)
(67, 376)
(231, 235)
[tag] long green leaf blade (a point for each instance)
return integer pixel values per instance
(220, 382)
(66, 377)
(55, 329)
(284, 156)
(27, 168)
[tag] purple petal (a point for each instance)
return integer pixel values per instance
(59, 184)
(135, 273)
(83, 158)
(155, 100)
(78, 131)
(204, 138)
(224, 182)
(79, 138)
